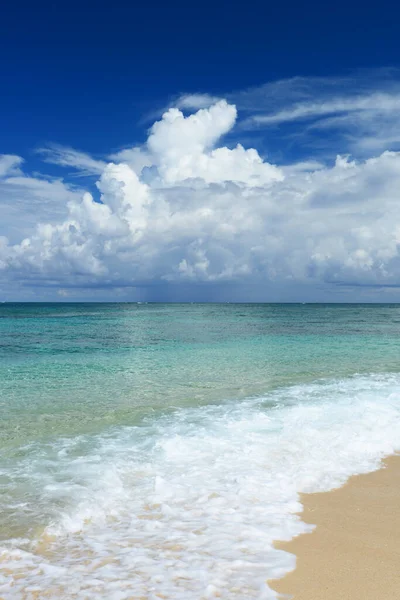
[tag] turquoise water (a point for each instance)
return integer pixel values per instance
(71, 368)
(127, 428)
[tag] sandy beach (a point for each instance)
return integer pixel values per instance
(354, 552)
(159, 450)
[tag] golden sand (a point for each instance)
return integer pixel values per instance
(354, 552)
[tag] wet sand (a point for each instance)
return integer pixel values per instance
(354, 552)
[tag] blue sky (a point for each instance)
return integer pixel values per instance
(178, 211)
(85, 73)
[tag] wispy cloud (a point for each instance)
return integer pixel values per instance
(377, 102)
(195, 101)
(69, 157)
(357, 113)
(185, 101)
(10, 164)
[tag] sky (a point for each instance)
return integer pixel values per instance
(202, 152)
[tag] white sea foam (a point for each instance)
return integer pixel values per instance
(188, 505)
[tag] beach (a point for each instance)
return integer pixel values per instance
(159, 451)
(354, 550)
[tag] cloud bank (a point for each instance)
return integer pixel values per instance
(185, 209)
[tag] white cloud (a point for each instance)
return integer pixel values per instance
(183, 148)
(205, 213)
(359, 113)
(373, 102)
(68, 157)
(196, 101)
(137, 158)
(10, 164)
(26, 200)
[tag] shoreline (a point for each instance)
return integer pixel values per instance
(354, 551)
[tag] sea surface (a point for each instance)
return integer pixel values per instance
(155, 451)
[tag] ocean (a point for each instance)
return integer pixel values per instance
(156, 451)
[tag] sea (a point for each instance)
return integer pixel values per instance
(156, 451)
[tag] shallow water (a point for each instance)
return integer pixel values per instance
(156, 451)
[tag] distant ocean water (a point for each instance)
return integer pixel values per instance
(156, 451)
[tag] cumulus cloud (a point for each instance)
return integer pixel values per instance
(183, 148)
(137, 158)
(25, 198)
(193, 210)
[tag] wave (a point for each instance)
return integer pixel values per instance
(187, 506)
